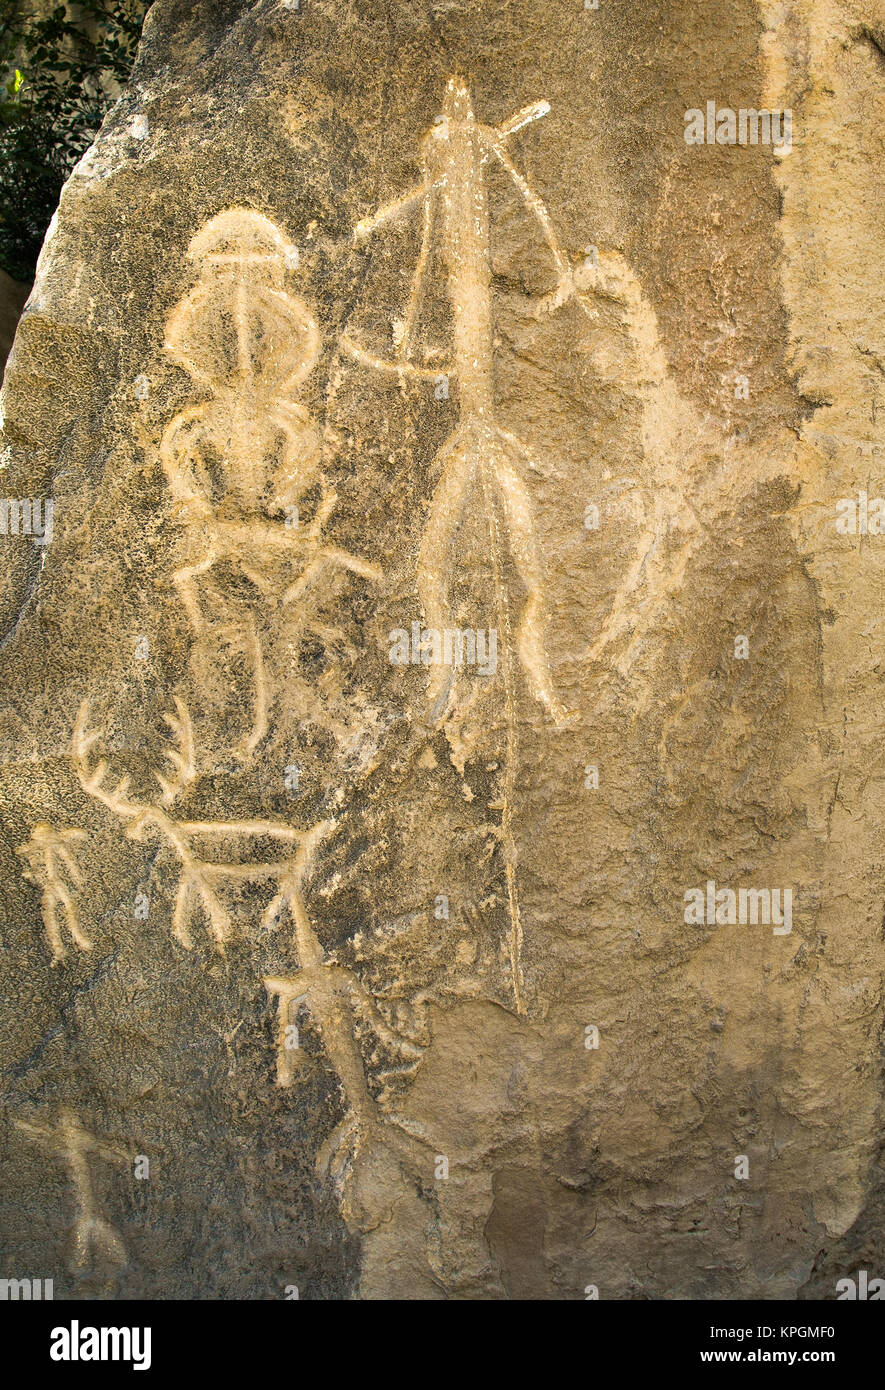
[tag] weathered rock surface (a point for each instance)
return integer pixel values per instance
(329, 965)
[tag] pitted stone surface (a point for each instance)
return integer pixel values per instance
(441, 712)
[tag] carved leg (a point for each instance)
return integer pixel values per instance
(517, 509)
(49, 903)
(72, 919)
(183, 580)
(435, 559)
(250, 742)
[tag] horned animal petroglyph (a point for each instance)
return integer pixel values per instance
(202, 879)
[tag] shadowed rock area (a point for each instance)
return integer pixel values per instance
(12, 301)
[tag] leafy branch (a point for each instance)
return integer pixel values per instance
(59, 74)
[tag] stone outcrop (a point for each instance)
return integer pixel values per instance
(440, 744)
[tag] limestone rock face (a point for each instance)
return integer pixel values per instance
(442, 825)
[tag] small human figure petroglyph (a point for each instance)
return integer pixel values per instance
(94, 1236)
(53, 867)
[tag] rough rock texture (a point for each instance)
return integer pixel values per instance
(377, 978)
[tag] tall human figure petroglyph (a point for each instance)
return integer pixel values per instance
(240, 463)
(480, 454)
(481, 459)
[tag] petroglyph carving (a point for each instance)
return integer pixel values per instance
(289, 993)
(94, 1238)
(695, 475)
(480, 459)
(656, 572)
(53, 867)
(203, 880)
(480, 456)
(181, 758)
(240, 463)
(238, 324)
(337, 1001)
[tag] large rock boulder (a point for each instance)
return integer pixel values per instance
(441, 720)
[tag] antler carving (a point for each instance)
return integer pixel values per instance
(181, 758)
